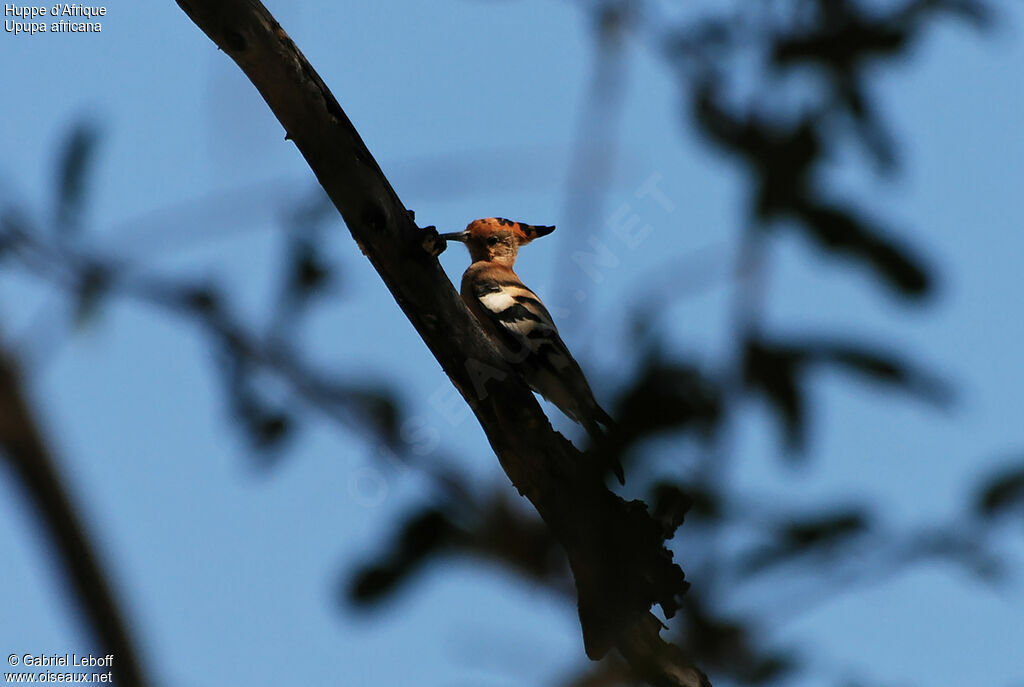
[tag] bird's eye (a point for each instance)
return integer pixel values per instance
(492, 240)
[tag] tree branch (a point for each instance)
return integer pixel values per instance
(23, 445)
(615, 549)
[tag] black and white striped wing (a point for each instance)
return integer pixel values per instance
(523, 324)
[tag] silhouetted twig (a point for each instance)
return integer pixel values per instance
(23, 446)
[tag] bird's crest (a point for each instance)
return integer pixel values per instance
(523, 232)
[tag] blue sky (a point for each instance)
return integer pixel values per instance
(229, 572)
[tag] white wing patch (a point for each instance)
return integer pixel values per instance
(528, 336)
(497, 301)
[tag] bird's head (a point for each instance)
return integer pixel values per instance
(496, 239)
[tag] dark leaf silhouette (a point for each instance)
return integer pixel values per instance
(12, 228)
(852, 99)
(73, 171)
(204, 301)
(840, 230)
(781, 155)
(977, 13)
(776, 373)
(777, 370)
(882, 367)
(376, 408)
(665, 397)
(820, 534)
(732, 646)
(266, 424)
(424, 533)
(966, 548)
(91, 289)
(1001, 493)
(308, 272)
(269, 428)
(841, 37)
(494, 531)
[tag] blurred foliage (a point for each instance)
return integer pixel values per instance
(73, 170)
(266, 379)
(781, 128)
(778, 370)
(1002, 493)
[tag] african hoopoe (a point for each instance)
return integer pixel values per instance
(519, 324)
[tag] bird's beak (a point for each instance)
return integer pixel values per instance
(455, 236)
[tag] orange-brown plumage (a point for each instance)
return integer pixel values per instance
(518, 323)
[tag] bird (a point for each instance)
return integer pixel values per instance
(517, 322)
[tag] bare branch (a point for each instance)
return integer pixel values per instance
(615, 549)
(22, 444)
